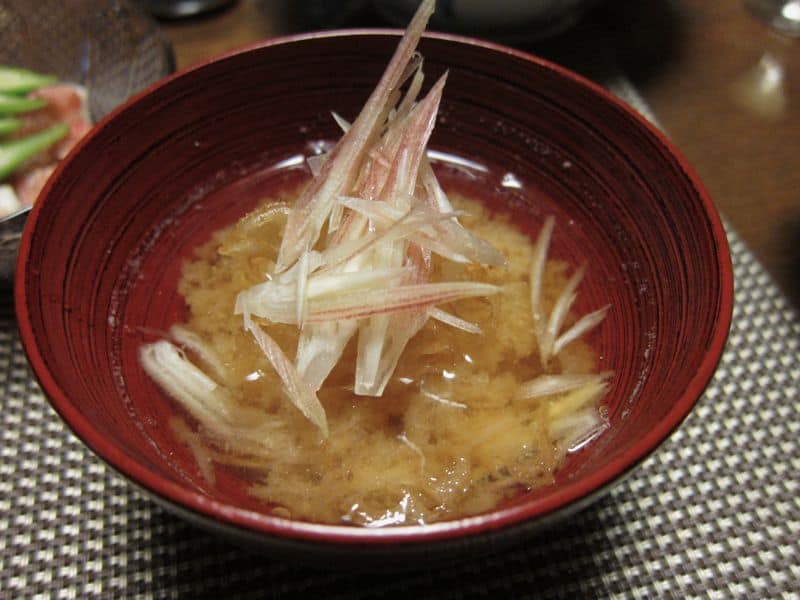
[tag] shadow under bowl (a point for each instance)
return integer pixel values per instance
(157, 177)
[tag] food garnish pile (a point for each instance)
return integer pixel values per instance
(40, 121)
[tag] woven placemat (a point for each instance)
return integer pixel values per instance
(714, 512)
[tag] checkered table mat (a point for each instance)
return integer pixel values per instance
(714, 512)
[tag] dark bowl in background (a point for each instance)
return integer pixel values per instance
(508, 21)
(144, 189)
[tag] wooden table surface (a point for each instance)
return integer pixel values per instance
(724, 86)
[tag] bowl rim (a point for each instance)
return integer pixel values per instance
(564, 499)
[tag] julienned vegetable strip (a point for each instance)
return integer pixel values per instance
(300, 393)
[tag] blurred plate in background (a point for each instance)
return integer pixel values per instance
(109, 46)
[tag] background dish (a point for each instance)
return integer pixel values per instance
(631, 205)
(110, 47)
(510, 20)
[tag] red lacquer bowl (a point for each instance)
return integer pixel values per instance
(102, 252)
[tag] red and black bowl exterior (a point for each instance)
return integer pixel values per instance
(102, 251)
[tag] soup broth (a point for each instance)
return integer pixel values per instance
(451, 435)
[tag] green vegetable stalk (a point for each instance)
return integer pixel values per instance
(15, 152)
(14, 80)
(9, 125)
(14, 105)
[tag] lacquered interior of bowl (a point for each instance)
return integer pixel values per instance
(102, 255)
